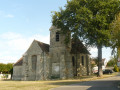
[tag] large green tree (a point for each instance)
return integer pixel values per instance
(115, 32)
(6, 68)
(89, 21)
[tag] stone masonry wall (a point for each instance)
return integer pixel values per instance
(17, 73)
(42, 64)
(58, 55)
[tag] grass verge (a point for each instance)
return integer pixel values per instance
(45, 85)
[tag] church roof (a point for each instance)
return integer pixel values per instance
(77, 46)
(44, 46)
(19, 62)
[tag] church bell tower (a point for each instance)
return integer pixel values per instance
(59, 53)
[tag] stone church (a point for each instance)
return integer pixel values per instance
(57, 60)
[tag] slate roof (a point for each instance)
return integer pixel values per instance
(77, 46)
(19, 62)
(43, 46)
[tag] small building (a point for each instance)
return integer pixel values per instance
(57, 60)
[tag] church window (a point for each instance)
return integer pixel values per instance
(73, 61)
(34, 62)
(82, 60)
(57, 36)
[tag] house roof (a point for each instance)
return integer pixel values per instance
(77, 46)
(19, 62)
(43, 46)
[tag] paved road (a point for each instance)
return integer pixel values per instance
(110, 83)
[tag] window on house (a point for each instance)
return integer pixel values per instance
(34, 62)
(82, 60)
(57, 36)
(73, 61)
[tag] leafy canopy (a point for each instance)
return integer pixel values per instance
(112, 61)
(115, 31)
(87, 19)
(6, 68)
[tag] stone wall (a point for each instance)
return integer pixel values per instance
(41, 71)
(69, 66)
(17, 73)
(60, 59)
(82, 69)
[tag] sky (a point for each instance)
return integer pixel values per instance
(22, 21)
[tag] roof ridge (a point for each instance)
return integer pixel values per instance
(43, 46)
(41, 42)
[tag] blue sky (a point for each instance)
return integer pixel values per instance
(22, 21)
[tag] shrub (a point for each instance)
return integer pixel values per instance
(116, 69)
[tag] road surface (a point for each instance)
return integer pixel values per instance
(110, 83)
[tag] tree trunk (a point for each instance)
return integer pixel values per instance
(76, 65)
(76, 54)
(118, 57)
(100, 72)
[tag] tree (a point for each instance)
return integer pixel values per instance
(89, 21)
(2, 67)
(112, 62)
(9, 67)
(115, 32)
(6, 68)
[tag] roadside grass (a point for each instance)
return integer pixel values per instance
(45, 85)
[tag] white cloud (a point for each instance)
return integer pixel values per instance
(41, 38)
(106, 52)
(10, 35)
(8, 59)
(93, 49)
(9, 16)
(13, 45)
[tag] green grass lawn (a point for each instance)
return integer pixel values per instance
(43, 85)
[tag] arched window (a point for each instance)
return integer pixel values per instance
(82, 60)
(57, 36)
(34, 62)
(73, 61)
